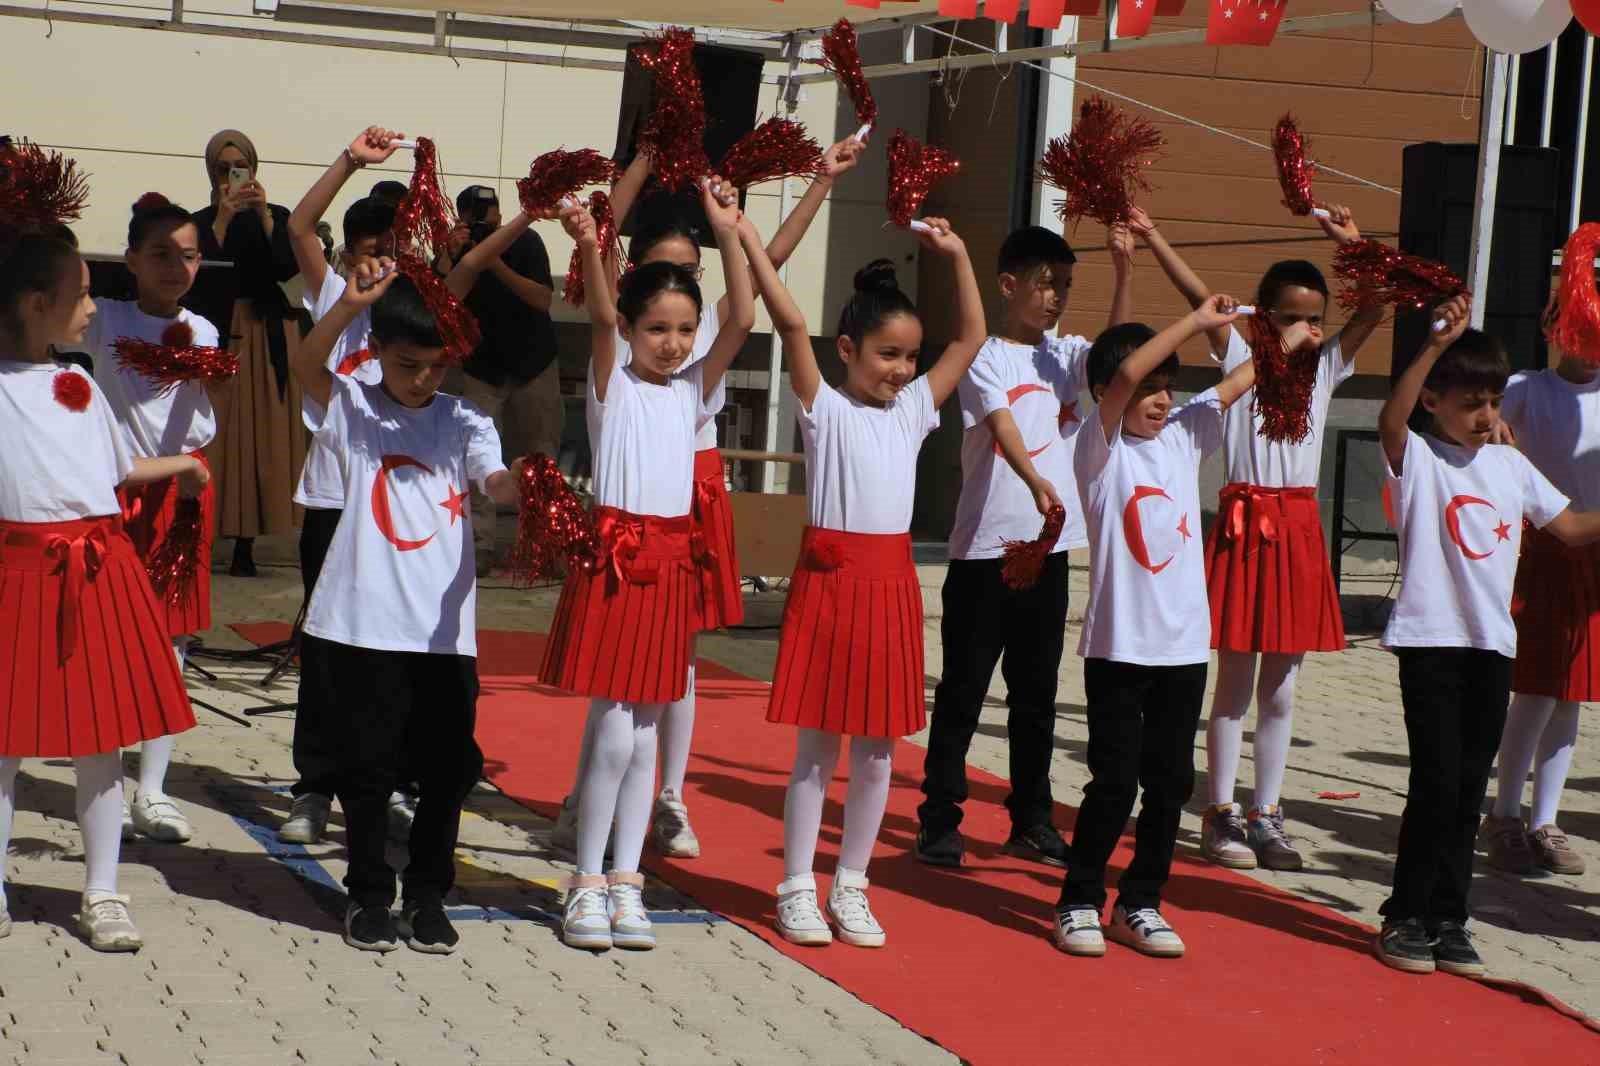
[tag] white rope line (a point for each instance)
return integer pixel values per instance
(1158, 110)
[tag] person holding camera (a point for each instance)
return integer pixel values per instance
(514, 370)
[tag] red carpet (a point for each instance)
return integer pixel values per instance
(1268, 978)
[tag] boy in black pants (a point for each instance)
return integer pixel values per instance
(1147, 633)
(1020, 413)
(1460, 502)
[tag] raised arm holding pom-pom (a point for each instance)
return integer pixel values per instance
(375, 144)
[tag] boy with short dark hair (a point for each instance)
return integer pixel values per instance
(1146, 636)
(394, 614)
(1459, 504)
(1020, 416)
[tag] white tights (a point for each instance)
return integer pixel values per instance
(1546, 728)
(616, 782)
(1274, 692)
(675, 733)
(816, 755)
(156, 755)
(99, 816)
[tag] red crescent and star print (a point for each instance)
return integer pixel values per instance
(383, 516)
(1452, 526)
(1133, 527)
(1068, 413)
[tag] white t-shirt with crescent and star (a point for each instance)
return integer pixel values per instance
(319, 486)
(400, 574)
(157, 424)
(1141, 503)
(1045, 388)
(1459, 514)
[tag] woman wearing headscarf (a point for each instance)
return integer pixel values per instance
(261, 446)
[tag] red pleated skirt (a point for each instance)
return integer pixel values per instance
(723, 604)
(622, 630)
(149, 511)
(86, 666)
(1267, 574)
(1556, 606)
(850, 654)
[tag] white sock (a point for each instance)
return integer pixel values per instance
(8, 810)
(677, 735)
(816, 754)
(1560, 736)
(1236, 671)
(871, 767)
(100, 818)
(617, 784)
(1526, 719)
(1274, 724)
(154, 758)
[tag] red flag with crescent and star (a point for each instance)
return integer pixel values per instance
(1244, 21)
(1133, 17)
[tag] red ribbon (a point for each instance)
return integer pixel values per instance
(77, 559)
(621, 539)
(1236, 509)
(699, 544)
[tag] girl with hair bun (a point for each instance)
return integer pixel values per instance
(850, 654)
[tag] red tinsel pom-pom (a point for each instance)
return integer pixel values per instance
(841, 54)
(557, 175)
(553, 525)
(605, 226)
(175, 563)
(1100, 163)
(1022, 561)
(914, 167)
(167, 365)
(675, 132)
(1289, 148)
(1284, 382)
(458, 327)
(39, 188)
(1374, 273)
(778, 148)
(71, 390)
(423, 221)
(1577, 327)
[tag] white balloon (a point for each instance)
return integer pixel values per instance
(1419, 10)
(1516, 26)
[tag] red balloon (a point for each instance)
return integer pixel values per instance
(1587, 12)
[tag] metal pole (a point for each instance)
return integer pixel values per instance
(769, 470)
(1515, 79)
(1490, 137)
(1054, 116)
(1582, 143)
(1549, 93)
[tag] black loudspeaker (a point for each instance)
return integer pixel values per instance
(1438, 190)
(731, 81)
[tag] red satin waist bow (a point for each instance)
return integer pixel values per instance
(76, 560)
(1236, 499)
(620, 540)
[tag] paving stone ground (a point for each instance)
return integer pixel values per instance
(244, 963)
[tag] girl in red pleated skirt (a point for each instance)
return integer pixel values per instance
(623, 629)
(850, 653)
(86, 661)
(1267, 570)
(668, 239)
(159, 420)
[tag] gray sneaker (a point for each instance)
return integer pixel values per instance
(1264, 831)
(1223, 839)
(308, 819)
(402, 812)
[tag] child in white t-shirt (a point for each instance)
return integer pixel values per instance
(1146, 633)
(1459, 505)
(394, 610)
(1021, 405)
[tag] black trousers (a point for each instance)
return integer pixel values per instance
(1455, 706)
(400, 709)
(1142, 721)
(986, 622)
(316, 739)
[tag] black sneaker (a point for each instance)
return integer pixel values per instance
(426, 927)
(370, 928)
(1405, 945)
(1453, 951)
(944, 850)
(1041, 844)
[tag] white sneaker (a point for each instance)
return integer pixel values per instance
(1077, 932)
(5, 922)
(669, 825)
(847, 906)
(564, 837)
(308, 819)
(129, 833)
(799, 920)
(158, 818)
(105, 922)
(630, 925)
(586, 917)
(402, 812)
(1146, 932)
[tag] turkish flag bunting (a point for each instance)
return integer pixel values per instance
(861, 3)
(1169, 7)
(958, 9)
(1133, 17)
(1083, 7)
(1045, 14)
(1002, 10)
(1244, 21)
